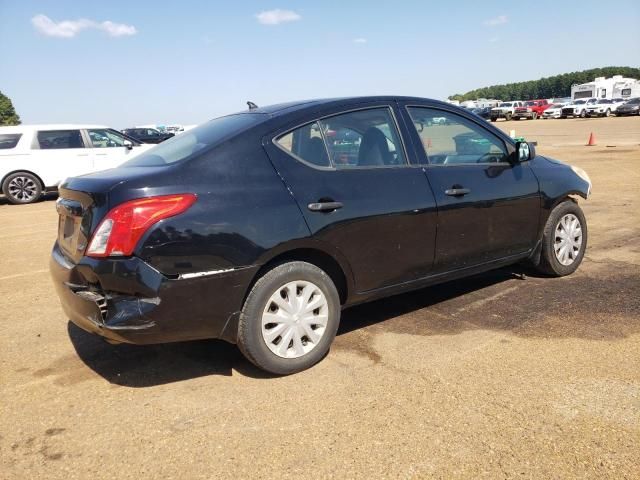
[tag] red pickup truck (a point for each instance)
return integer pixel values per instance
(532, 109)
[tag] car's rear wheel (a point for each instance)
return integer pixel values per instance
(22, 188)
(564, 240)
(289, 318)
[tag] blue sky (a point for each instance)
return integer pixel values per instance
(188, 61)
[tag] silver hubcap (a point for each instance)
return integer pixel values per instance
(568, 239)
(295, 319)
(23, 189)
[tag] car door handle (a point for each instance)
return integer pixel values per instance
(324, 206)
(457, 192)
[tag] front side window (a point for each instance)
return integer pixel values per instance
(105, 138)
(456, 140)
(364, 138)
(56, 139)
(9, 140)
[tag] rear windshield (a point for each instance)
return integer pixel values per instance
(505, 105)
(189, 143)
(9, 140)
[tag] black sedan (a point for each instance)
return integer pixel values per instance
(148, 135)
(260, 227)
(632, 107)
(482, 112)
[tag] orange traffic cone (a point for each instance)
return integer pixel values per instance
(592, 140)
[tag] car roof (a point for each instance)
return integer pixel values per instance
(51, 126)
(280, 109)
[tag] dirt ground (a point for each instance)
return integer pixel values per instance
(490, 377)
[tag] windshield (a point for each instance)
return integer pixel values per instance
(634, 101)
(603, 101)
(189, 143)
(530, 104)
(579, 102)
(505, 105)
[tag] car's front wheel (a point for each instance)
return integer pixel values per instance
(21, 188)
(564, 240)
(289, 318)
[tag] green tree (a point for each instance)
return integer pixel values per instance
(555, 86)
(8, 115)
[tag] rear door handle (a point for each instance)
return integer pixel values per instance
(457, 192)
(324, 206)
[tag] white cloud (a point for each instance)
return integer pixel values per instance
(277, 16)
(493, 39)
(70, 28)
(360, 40)
(499, 20)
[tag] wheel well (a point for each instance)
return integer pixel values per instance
(320, 259)
(23, 171)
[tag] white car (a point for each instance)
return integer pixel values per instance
(604, 107)
(578, 108)
(554, 111)
(35, 158)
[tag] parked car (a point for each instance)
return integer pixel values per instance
(148, 135)
(247, 229)
(604, 107)
(630, 107)
(531, 109)
(578, 108)
(36, 158)
(554, 111)
(483, 112)
(505, 110)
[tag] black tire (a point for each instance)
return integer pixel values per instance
(507, 116)
(21, 188)
(583, 113)
(607, 113)
(549, 264)
(250, 339)
(534, 116)
(493, 119)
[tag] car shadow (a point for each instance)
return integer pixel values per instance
(140, 366)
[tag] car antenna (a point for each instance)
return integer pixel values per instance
(252, 106)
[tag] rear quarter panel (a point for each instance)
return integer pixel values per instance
(243, 211)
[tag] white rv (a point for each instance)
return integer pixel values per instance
(614, 87)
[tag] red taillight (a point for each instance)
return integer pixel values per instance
(119, 232)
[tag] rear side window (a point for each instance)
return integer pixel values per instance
(188, 144)
(9, 140)
(365, 138)
(360, 139)
(55, 139)
(307, 144)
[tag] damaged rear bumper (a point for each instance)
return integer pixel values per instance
(127, 300)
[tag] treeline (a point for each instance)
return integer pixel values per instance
(549, 87)
(8, 115)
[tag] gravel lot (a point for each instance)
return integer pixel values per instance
(490, 377)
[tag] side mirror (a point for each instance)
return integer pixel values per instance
(128, 144)
(525, 151)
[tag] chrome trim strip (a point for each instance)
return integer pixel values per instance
(185, 276)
